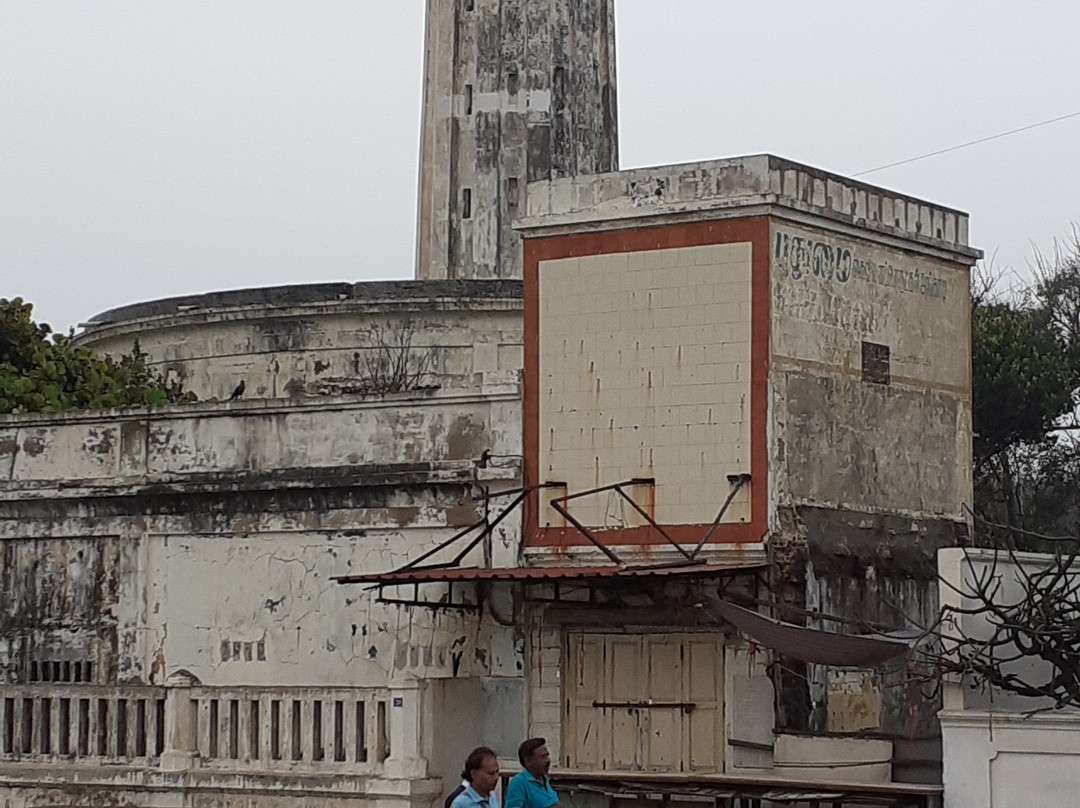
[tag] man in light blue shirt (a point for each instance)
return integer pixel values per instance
(482, 774)
(531, 788)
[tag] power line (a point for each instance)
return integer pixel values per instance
(969, 143)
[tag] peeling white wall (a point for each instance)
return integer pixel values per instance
(227, 580)
(299, 351)
(259, 436)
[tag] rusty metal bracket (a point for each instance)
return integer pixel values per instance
(737, 481)
(519, 495)
(560, 505)
(428, 604)
(485, 526)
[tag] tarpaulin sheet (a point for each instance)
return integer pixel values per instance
(812, 645)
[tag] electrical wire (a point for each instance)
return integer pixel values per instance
(969, 143)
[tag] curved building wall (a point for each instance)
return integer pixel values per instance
(186, 555)
(327, 339)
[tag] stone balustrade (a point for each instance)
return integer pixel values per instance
(185, 726)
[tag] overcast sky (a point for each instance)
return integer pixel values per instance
(150, 149)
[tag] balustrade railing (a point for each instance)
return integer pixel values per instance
(297, 728)
(103, 724)
(241, 728)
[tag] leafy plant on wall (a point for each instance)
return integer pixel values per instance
(41, 371)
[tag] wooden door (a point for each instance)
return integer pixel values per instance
(643, 702)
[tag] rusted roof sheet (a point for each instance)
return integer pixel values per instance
(543, 574)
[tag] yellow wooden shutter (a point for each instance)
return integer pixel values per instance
(651, 702)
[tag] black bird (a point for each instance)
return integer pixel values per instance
(238, 392)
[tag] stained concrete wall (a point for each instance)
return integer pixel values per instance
(844, 437)
(740, 186)
(870, 448)
(515, 91)
(205, 538)
(870, 458)
(59, 597)
(320, 339)
(256, 437)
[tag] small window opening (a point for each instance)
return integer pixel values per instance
(875, 363)
(9, 726)
(468, 99)
(512, 82)
(102, 727)
(46, 726)
(466, 203)
(234, 729)
(27, 726)
(382, 734)
(65, 727)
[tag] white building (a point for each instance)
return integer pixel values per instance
(447, 512)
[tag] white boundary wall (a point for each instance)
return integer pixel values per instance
(999, 760)
(995, 755)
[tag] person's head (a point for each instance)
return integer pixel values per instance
(482, 770)
(535, 757)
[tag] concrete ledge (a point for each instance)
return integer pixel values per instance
(854, 760)
(83, 786)
(276, 300)
(752, 185)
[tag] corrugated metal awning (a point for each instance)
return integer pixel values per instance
(579, 572)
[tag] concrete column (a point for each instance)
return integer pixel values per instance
(405, 729)
(180, 746)
(515, 91)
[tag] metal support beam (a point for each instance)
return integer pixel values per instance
(737, 481)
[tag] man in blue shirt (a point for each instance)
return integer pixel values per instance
(482, 773)
(531, 788)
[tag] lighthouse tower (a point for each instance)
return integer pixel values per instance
(515, 91)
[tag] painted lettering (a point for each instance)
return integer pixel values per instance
(800, 257)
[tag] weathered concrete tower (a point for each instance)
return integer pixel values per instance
(515, 91)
